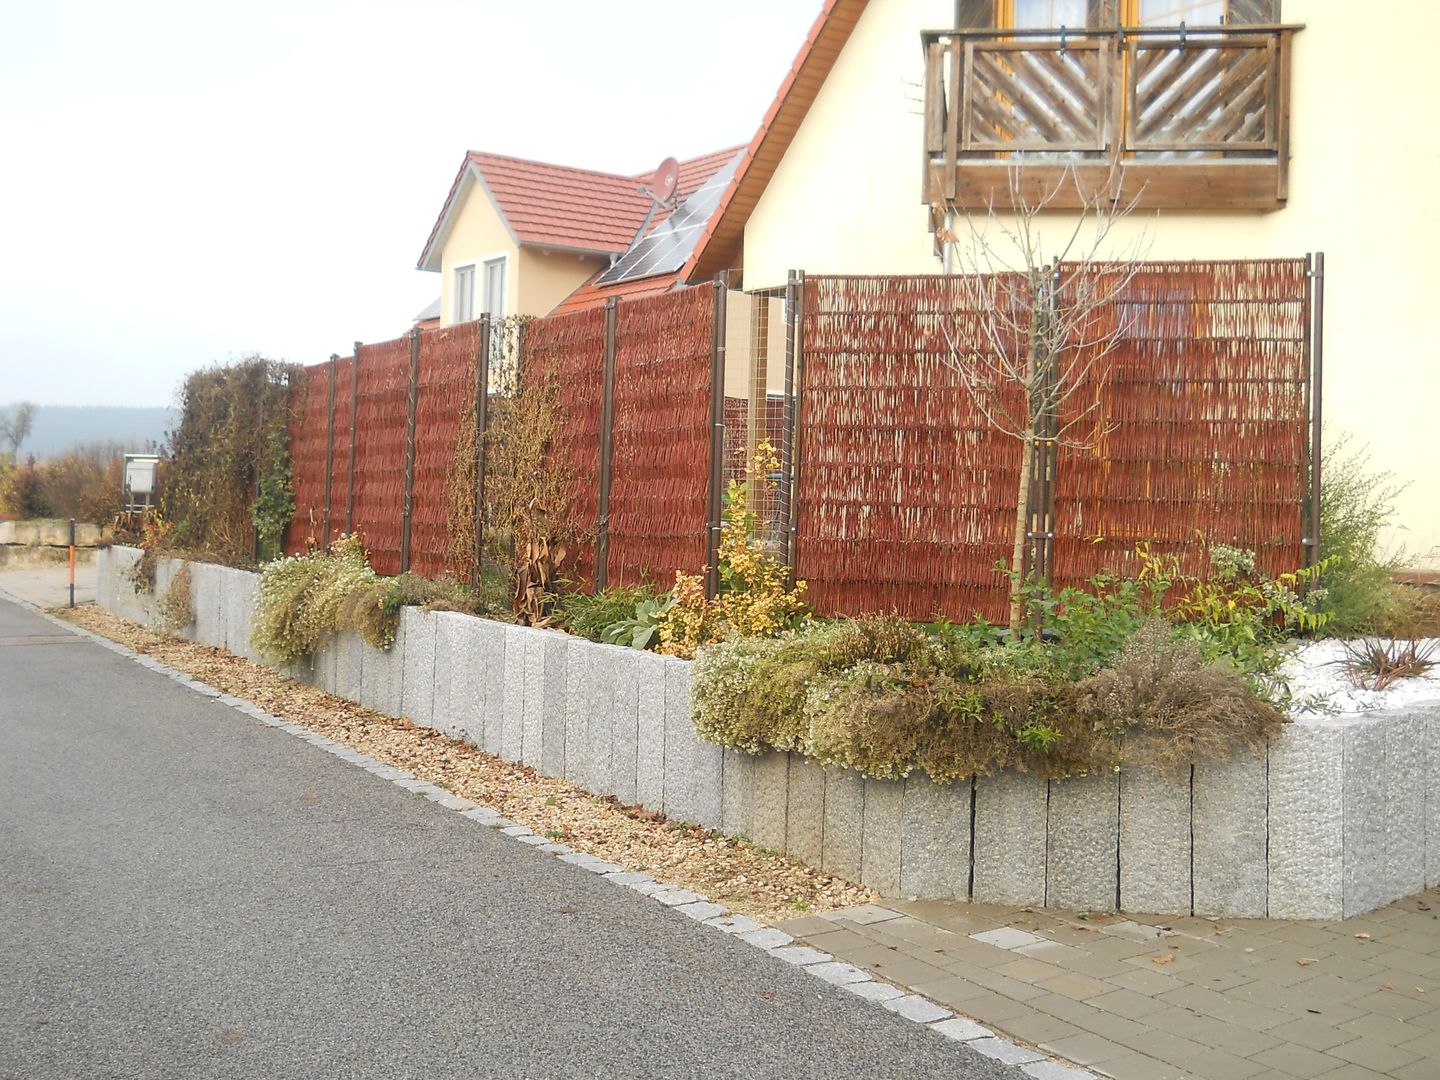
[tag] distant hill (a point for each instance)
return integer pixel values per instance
(59, 427)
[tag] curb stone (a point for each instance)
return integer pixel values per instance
(775, 943)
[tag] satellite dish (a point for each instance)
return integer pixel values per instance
(667, 176)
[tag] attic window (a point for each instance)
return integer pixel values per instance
(464, 293)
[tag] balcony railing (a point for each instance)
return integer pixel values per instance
(1169, 118)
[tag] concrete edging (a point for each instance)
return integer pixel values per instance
(1337, 819)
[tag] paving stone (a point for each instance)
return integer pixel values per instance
(733, 924)
(1231, 837)
(672, 897)
(1364, 816)
(935, 839)
(1307, 810)
(577, 713)
(737, 793)
(800, 955)
(680, 743)
(1432, 801)
(1007, 937)
(557, 849)
(844, 828)
(882, 834)
(650, 888)
(628, 877)
(532, 706)
(1082, 868)
(703, 911)
(417, 670)
(445, 717)
(914, 1007)
(1010, 839)
(512, 708)
(1056, 1070)
(837, 973)
(600, 690)
(1155, 840)
(553, 718)
(378, 679)
(874, 991)
(770, 805)
(240, 589)
(805, 827)
(625, 724)
(650, 731)
(1403, 871)
(517, 830)
(1006, 1051)
(962, 1029)
(349, 665)
(707, 772)
(767, 938)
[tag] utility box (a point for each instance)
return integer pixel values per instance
(140, 480)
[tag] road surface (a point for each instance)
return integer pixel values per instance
(187, 893)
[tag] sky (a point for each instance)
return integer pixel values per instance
(188, 183)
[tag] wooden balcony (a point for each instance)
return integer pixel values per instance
(1192, 118)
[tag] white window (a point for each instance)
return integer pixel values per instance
(464, 305)
(494, 296)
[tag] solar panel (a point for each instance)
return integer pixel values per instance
(668, 246)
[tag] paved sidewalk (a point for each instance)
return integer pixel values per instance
(1151, 998)
(49, 586)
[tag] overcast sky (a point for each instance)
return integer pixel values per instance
(189, 182)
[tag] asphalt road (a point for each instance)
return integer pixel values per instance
(187, 893)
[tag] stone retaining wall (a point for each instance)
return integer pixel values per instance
(1337, 819)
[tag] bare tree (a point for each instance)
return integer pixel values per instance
(15, 424)
(1046, 318)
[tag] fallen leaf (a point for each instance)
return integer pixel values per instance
(1387, 986)
(567, 910)
(1162, 959)
(1363, 937)
(769, 995)
(1420, 989)
(1305, 961)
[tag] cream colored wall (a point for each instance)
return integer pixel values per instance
(547, 277)
(479, 233)
(1363, 188)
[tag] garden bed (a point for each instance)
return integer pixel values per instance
(1333, 818)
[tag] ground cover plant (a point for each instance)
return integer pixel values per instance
(305, 599)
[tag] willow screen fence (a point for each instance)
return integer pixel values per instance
(894, 492)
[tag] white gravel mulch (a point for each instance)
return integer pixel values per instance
(1323, 688)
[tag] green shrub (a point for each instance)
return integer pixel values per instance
(886, 697)
(1357, 504)
(589, 615)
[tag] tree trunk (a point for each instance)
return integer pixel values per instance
(1022, 528)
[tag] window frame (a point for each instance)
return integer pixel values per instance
(462, 301)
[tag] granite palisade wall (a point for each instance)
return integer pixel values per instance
(1336, 819)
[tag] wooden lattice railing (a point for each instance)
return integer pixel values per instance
(1194, 117)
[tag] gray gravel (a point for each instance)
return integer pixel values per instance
(187, 893)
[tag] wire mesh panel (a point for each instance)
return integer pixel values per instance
(658, 498)
(570, 351)
(906, 496)
(1201, 426)
(380, 455)
(446, 391)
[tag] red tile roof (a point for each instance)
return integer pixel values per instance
(592, 295)
(563, 207)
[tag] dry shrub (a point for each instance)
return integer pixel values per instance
(1162, 703)
(884, 697)
(175, 606)
(1376, 663)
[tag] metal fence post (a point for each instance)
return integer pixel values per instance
(482, 420)
(607, 448)
(354, 423)
(329, 442)
(1317, 377)
(412, 401)
(715, 513)
(794, 398)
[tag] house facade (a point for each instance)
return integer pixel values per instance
(1236, 128)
